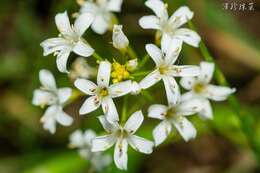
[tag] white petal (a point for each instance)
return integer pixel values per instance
(41, 97)
(89, 135)
(140, 144)
(61, 61)
(150, 79)
(91, 104)
(185, 70)
(158, 7)
(47, 80)
(83, 22)
(63, 118)
(48, 119)
(165, 42)
(89, 7)
(190, 107)
(83, 49)
(76, 139)
(120, 89)
(188, 36)
(64, 94)
(53, 45)
(120, 41)
(188, 95)
(154, 52)
(206, 71)
(206, 112)
(108, 126)
(134, 122)
(157, 111)
(63, 24)
(161, 132)
(187, 82)
(218, 93)
(86, 86)
(114, 5)
(102, 143)
(135, 88)
(100, 24)
(149, 22)
(120, 154)
(172, 90)
(103, 75)
(110, 110)
(185, 128)
(181, 16)
(173, 51)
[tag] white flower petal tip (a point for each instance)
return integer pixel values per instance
(135, 89)
(120, 41)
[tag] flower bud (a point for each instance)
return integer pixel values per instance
(120, 40)
(131, 65)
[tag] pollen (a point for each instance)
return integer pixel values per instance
(103, 92)
(119, 72)
(199, 87)
(163, 69)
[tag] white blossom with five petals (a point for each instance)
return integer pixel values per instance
(83, 141)
(70, 39)
(201, 89)
(103, 12)
(166, 69)
(102, 93)
(121, 136)
(169, 27)
(55, 98)
(174, 115)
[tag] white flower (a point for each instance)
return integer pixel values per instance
(81, 69)
(136, 89)
(120, 41)
(170, 26)
(166, 70)
(50, 95)
(200, 88)
(102, 93)
(102, 10)
(69, 39)
(121, 136)
(83, 141)
(174, 115)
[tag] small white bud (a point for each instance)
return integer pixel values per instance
(120, 40)
(131, 65)
(135, 88)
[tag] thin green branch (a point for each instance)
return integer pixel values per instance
(97, 56)
(124, 109)
(139, 74)
(246, 120)
(131, 52)
(143, 61)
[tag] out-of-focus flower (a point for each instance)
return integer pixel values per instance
(166, 70)
(174, 115)
(102, 10)
(81, 69)
(83, 141)
(201, 88)
(169, 27)
(120, 41)
(121, 136)
(55, 98)
(102, 93)
(69, 39)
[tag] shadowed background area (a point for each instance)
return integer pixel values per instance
(232, 36)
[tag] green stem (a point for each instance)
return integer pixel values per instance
(97, 56)
(131, 52)
(124, 110)
(143, 61)
(142, 73)
(246, 120)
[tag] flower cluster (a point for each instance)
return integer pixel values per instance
(115, 80)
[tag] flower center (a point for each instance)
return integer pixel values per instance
(103, 92)
(163, 69)
(122, 133)
(119, 72)
(199, 87)
(172, 112)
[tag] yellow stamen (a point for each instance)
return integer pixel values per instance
(119, 72)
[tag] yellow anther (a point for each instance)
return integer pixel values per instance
(199, 87)
(119, 72)
(103, 92)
